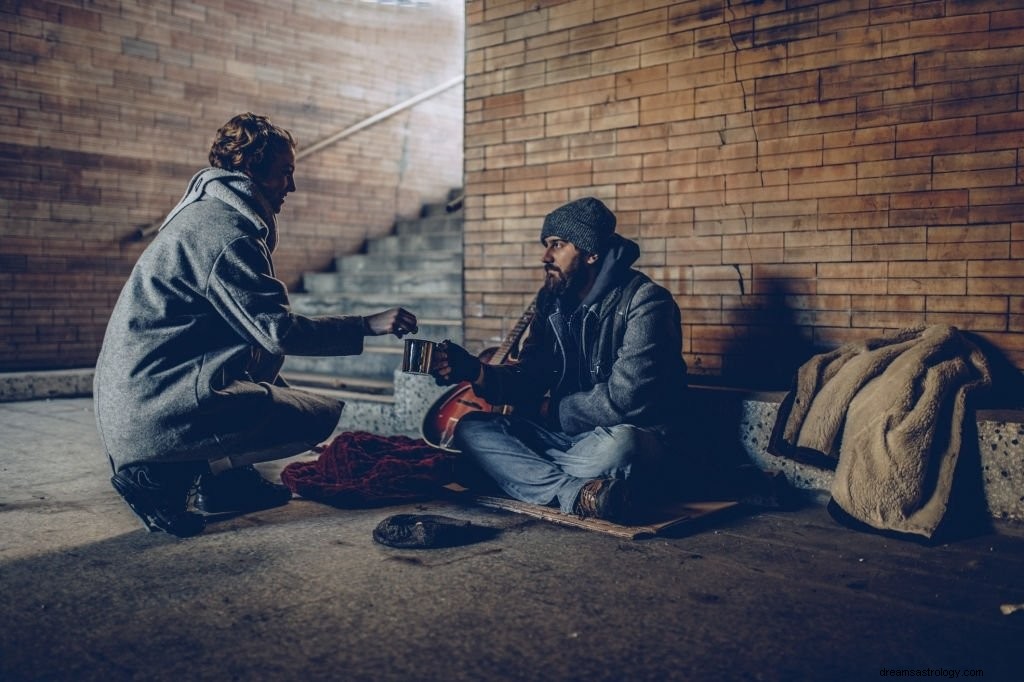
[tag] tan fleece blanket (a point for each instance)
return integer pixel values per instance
(890, 412)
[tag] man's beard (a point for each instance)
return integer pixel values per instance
(559, 282)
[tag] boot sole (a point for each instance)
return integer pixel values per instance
(134, 497)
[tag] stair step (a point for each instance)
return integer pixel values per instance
(400, 282)
(426, 306)
(416, 243)
(425, 261)
(438, 223)
(380, 357)
(427, 330)
(419, 267)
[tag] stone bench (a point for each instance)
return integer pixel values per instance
(745, 419)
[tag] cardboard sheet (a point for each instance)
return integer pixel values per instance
(674, 517)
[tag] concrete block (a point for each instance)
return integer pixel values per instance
(65, 383)
(1000, 445)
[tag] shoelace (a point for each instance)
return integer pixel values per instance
(192, 493)
(586, 505)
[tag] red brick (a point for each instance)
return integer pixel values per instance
(931, 287)
(890, 320)
(914, 304)
(670, 106)
(615, 115)
(996, 268)
(967, 304)
(641, 82)
(618, 59)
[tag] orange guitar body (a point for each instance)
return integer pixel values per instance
(452, 406)
(438, 428)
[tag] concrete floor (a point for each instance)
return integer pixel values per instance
(302, 592)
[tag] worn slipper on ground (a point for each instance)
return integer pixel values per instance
(422, 531)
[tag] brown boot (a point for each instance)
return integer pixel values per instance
(604, 498)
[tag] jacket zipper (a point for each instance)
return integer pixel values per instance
(561, 351)
(584, 360)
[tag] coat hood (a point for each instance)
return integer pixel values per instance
(238, 191)
(616, 263)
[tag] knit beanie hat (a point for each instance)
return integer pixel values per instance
(586, 223)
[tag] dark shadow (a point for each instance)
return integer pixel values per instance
(968, 514)
(713, 464)
(764, 355)
(717, 520)
(1007, 391)
(770, 348)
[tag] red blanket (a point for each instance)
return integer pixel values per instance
(359, 469)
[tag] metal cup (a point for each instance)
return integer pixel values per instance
(417, 356)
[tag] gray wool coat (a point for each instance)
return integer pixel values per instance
(188, 369)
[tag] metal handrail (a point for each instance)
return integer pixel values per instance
(148, 230)
(377, 118)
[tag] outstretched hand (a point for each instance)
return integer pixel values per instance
(452, 363)
(397, 321)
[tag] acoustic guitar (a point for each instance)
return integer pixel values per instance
(439, 422)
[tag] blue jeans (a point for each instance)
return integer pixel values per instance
(534, 464)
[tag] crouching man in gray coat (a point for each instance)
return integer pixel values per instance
(187, 390)
(605, 348)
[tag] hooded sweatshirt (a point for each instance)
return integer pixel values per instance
(200, 331)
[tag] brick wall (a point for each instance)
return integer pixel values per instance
(107, 108)
(799, 174)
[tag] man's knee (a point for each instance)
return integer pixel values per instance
(475, 428)
(612, 451)
(625, 440)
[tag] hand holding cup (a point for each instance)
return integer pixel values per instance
(452, 364)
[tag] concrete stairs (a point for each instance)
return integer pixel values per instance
(418, 267)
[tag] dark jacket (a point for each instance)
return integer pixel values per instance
(189, 363)
(630, 354)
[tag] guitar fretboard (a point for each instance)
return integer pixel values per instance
(513, 336)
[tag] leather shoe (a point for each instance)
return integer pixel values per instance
(239, 490)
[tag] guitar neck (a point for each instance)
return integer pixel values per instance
(513, 336)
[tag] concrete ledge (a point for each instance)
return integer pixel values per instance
(750, 417)
(39, 385)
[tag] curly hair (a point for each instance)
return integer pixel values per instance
(248, 143)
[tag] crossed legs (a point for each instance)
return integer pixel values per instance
(536, 465)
